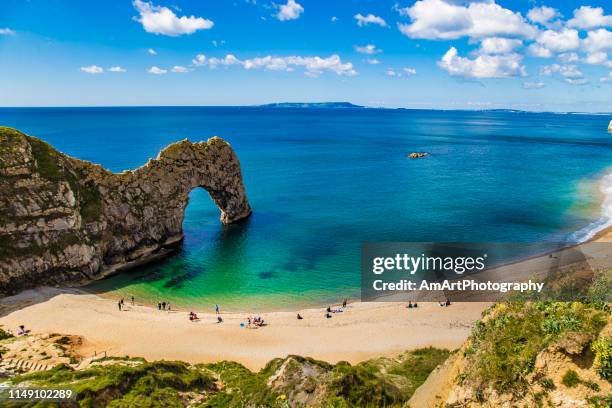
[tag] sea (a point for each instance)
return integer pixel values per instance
(322, 181)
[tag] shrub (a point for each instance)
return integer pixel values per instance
(547, 383)
(570, 379)
(5, 335)
(603, 357)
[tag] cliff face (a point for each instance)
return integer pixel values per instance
(67, 220)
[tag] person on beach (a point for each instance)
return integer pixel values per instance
(217, 309)
(328, 315)
(219, 319)
(164, 305)
(344, 303)
(299, 317)
(119, 304)
(158, 306)
(328, 309)
(132, 300)
(168, 306)
(409, 305)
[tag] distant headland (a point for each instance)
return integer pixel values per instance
(316, 105)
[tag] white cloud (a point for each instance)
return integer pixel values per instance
(587, 17)
(576, 81)
(596, 58)
(598, 40)
(151, 51)
(290, 11)
(497, 45)
(6, 31)
(407, 71)
(369, 19)
(179, 69)
(228, 60)
(92, 69)
(117, 69)
(368, 49)
(537, 50)
(533, 85)
(199, 60)
(156, 70)
(313, 66)
(559, 41)
(571, 74)
(483, 66)
(543, 15)
(373, 61)
(162, 20)
(607, 78)
(568, 57)
(334, 19)
(566, 71)
(443, 20)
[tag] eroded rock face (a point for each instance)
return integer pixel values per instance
(67, 220)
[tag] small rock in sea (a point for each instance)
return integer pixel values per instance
(417, 155)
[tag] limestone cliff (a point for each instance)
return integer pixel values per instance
(66, 220)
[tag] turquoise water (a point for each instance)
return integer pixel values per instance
(321, 182)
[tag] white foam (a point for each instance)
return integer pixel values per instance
(605, 220)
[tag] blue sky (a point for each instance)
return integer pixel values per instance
(532, 55)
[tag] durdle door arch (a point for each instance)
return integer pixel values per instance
(67, 220)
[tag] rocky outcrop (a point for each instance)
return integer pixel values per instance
(417, 155)
(68, 220)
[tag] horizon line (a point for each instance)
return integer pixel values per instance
(263, 105)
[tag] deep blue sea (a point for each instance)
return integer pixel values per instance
(322, 181)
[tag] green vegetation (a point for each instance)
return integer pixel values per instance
(601, 401)
(5, 335)
(603, 357)
(504, 345)
(50, 166)
(570, 379)
(362, 384)
(47, 159)
(547, 383)
(158, 384)
(137, 383)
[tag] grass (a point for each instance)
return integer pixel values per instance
(504, 346)
(158, 384)
(570, 379)
(49, 166)
(5, 335)
(374, 383)
(603, 357)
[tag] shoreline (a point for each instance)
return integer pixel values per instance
(364, 331)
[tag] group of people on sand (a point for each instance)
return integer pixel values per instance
(254, 322)
(338, 309)
(412, 305)
(164, 306)
(193, 317)
(121, 303)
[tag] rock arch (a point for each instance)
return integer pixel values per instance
(66, 220)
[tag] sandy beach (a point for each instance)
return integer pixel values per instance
(362, 331)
